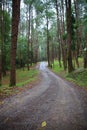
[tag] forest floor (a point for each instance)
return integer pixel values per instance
(24, 78)
(78, 76)
(52, 104)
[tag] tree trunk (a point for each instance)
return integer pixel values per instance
(28, 15)
(36, 41)
(15, 23)
(58, 34)
(0, 43)
(77, 34)
(32, 37)
(0, 68)
(3, 44)
(64, 50)
(48, 50)
(85, 59)
(69, 35)
(85, 54)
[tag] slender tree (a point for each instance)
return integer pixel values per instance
(63, 34)
(48, 52)
(77, 32)
(28, 35)
(15, 23)
(1, 43)
(85, 46)
(58, 32)
(69, 34)
(3, 40)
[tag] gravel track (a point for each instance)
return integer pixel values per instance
(62, 105)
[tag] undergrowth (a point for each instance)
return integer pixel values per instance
(79, 76)
(23, 78)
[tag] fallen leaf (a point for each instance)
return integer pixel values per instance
(44, 124)
(1, 103)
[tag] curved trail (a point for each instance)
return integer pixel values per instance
(59, 103)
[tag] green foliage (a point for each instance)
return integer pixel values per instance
(7, 38)
(84, 31)
(64, 36)
(23, 78)
(79, 77)
(38, 4)
(7, 23)
(30, 2)
(73, 26)
(21, 57)
(56, 67)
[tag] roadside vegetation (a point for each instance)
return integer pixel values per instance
(78, 76)
(24, 80)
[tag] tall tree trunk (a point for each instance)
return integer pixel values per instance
(0, 67)
(85, 54)
(63, 41)
(20, 51)
(28, 35)
(85, 59)
(48, 49)
(0, 46)
(15, 23)
(36, 41)
(52, 52)
(69, 35)
(28, 43)
(32, 37)
(77, 33)
(1, 43)
(58, 33)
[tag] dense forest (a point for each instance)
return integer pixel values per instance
(42, 30)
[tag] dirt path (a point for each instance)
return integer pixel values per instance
(60, 104)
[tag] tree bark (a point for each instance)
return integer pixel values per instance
(85, 59)
(15, 23)
(69, 35)
(36, 41)
(62, 32)
(3, 42)
(85, 54)
(64, 41)
(77, 34)
(48, 50)
(28, 15)
(32, 37)
(58, 33)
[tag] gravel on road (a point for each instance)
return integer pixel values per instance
(58, 103)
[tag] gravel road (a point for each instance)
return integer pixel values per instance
(60, 104)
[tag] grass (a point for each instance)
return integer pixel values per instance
(56, 67)
(79, 76)
(23, 78)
